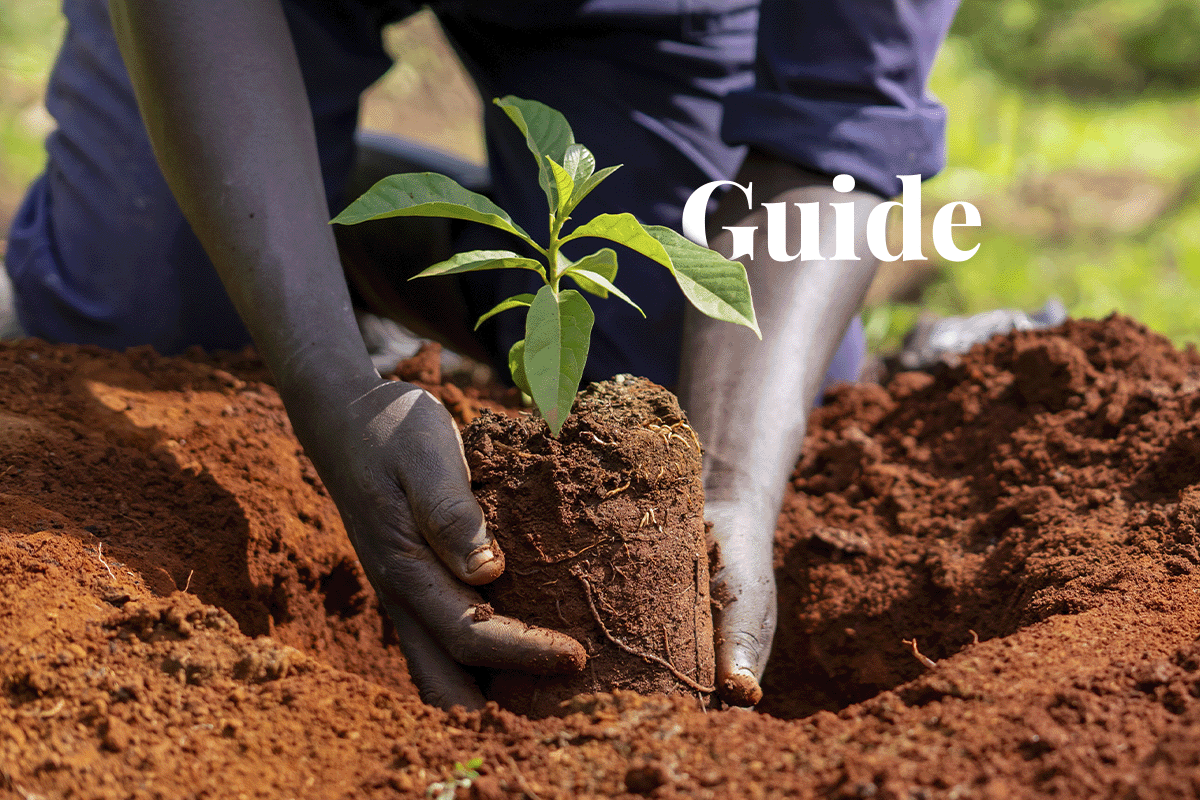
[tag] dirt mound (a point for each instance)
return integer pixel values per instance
(181, 615)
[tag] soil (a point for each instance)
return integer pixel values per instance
(181, 615)
(603, 534)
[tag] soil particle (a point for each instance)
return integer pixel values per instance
(1065, 534)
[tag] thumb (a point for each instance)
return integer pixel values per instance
(438, 489)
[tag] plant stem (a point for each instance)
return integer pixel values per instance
(552, 251)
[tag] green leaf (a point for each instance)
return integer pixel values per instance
(517, 301)
(426, 194)
(603, 262)
(476, 260)
(582, 190)
(597, 279)
(547, 133)
(558, 333)
(516, 366)
(715, 285)
(564, 184)
(623, 229)
(579, 162)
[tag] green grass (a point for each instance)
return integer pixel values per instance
(1093, 202)
(30, 31)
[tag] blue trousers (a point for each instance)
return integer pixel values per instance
(99, 251)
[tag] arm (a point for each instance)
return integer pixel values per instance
(749, 400)
(220, 89)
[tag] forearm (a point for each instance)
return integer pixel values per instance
(749, 400)
(221, 92)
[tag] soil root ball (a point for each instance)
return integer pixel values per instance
(603, 534)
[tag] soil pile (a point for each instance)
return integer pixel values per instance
(181, 615)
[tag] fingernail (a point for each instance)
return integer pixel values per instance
(741, 688)
(479, 557)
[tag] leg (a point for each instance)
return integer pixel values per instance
(99, 251)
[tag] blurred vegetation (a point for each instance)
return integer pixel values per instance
(1071, 126)
(30, 31)
(1102, 48)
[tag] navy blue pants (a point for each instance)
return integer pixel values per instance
(99, 252)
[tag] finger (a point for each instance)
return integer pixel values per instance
(745, 643)
(439, 679)
(435, 479)
(739, 665)
(407, 573)
(746, 625)
(473, 635)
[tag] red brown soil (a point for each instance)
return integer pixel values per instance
(603, 534)
(1044, 494)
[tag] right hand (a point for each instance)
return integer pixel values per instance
(393, 461)
(241, 159)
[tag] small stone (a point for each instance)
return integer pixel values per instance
(116, 734)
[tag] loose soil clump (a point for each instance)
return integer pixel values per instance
(181, 614)
(603, 534)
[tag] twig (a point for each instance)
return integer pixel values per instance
(521, 778)
(189, 580)
(100, 555)
(929, 662)
(633, 651)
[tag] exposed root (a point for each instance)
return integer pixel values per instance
(100, 555)
(616, 491)
(689, 429)
(633, 651)
(521, 779)
(668, 434)
(597, 439)
(928, 662)
(45, 714)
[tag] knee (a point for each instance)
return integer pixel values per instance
(91, 267)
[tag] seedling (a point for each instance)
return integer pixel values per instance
(464, 775)
(548, 363)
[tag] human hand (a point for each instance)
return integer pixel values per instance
(745, 621)
(392, 459)
(749, 399)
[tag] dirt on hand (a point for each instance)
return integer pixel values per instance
(181, 614)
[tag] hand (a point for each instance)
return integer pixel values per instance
(749, 399)
(745, 624)
(392, 459)
(241, 158)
